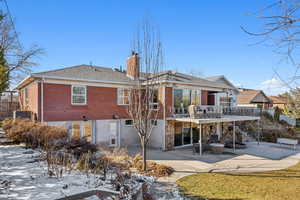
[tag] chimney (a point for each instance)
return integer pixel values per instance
(133, 66)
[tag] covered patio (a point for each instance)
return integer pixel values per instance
(189, 132)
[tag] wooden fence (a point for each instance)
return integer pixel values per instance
(7, 108)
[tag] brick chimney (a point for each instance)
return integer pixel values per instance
(133, 66)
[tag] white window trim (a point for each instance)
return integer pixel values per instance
(79, 104)
(121, 104)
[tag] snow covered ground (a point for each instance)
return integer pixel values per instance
(23, 177)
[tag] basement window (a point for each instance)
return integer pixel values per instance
(78, 95)
(154, 122)
(129, 122)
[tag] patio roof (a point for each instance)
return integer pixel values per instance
(226, 118)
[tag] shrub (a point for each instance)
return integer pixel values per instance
(271, 135)
(32, 133)
(154, 169)
(118, 158)
(78, 147)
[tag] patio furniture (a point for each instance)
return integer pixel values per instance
(205, 147)
(287, 141)
(238, 145)
(214, 139)
(217, 148)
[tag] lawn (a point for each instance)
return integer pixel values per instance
(272, 185)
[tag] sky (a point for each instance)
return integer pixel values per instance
(202, 37)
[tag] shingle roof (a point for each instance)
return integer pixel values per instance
(185, 78)
(88, 72)
(96, 73)
(222, 79)
(251, 96)
(278, 100)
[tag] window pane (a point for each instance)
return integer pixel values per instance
(126, 100)
(195, 97)
(78, 99)
(128, 122)
(78, 90)
(125, 93)
(76, 130)
(177, 100)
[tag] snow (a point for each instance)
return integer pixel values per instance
(24, 177)
(21, 178)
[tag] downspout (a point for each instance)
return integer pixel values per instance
(42, 99)
(119, 138)
(164, 135)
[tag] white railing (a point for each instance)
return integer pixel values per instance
(207, 111)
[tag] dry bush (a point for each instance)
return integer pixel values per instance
(271, 135)
(78, 147)
(118, 157)
(58, 162)
(154, 169)
(32, 133)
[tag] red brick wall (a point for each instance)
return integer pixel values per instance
(101, 104)
(169, 101)
(204, 97)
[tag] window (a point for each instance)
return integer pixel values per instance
(76, 130)
(154, 103)
(123, 96)
(78, 95)
(185, 97)
(129, 122)
(154, 122)
(225, 101)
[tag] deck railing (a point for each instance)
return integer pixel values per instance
(203, 112)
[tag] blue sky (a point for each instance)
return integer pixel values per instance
(199, 36)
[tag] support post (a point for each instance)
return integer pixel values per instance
(200, 139)
(258, 131)
(233, 136)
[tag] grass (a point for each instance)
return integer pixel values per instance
(271, 185)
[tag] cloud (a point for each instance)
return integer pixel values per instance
(273, 86)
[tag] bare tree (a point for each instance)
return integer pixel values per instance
(18, 60)
(143, 105)
(280, 29)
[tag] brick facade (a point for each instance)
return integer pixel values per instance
(101, 104)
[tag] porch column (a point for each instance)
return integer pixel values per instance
(258, 131)
(200, 139)
(233, 136)
(219, 132)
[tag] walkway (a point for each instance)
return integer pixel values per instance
(255, 158)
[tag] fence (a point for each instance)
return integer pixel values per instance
(7, 108)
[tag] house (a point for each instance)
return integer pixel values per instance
(278, 101)
(252, 98)
(92, 101)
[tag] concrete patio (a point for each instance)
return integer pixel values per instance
(255, 158)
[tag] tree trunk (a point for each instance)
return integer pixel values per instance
(144, 155)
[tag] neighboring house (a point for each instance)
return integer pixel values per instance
(252, 98)
(278, 101)
(92, 101)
